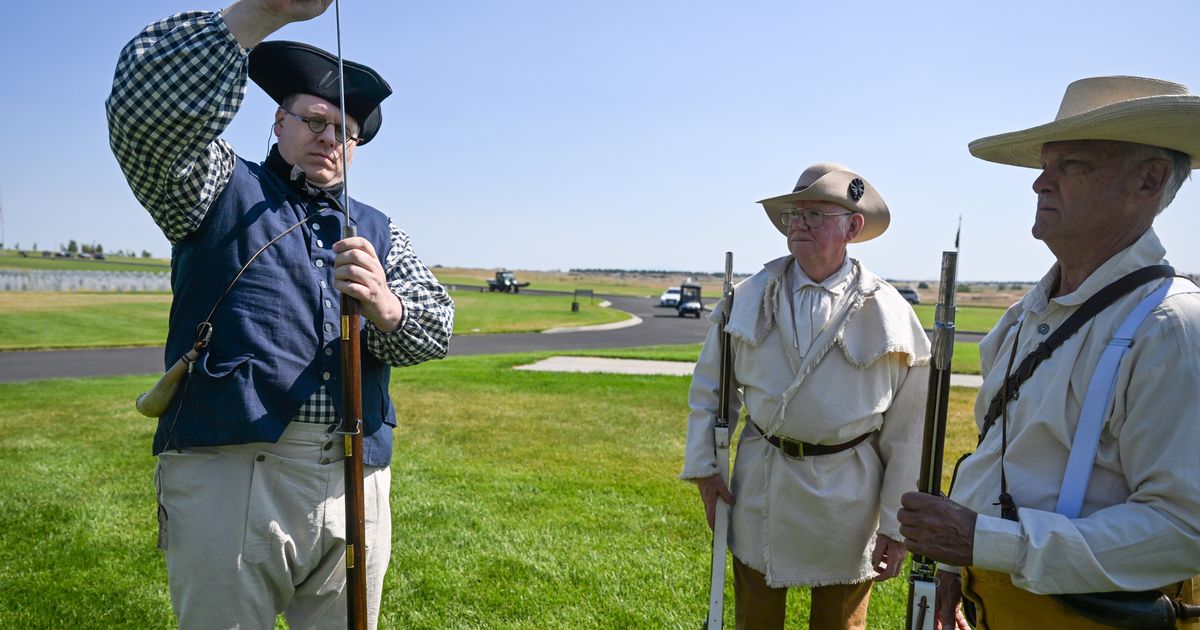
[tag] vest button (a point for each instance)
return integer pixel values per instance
(319, 243)
(325, 375)
(1043, 329)
(328, 352)
(315, 226)
(260, 458)
(328, 327)
(324, 460)
(319, 263)
(323, 285)
(328, 445)
(328, 304)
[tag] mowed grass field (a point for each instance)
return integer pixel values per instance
(519, 499)
(32, 320)
(967, 318)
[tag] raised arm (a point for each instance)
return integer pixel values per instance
(177, 86)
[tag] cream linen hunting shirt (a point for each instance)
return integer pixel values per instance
(1138, 527)
(851, 360)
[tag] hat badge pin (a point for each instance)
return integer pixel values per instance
(856, 189)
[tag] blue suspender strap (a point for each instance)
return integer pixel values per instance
(1099, 397)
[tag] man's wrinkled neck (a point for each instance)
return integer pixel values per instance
(1077, 263)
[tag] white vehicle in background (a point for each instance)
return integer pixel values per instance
(670, 297)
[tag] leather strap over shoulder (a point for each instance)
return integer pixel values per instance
(1093, 306)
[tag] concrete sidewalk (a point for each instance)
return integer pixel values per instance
(665, 368)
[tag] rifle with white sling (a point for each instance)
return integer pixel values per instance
(716, 592)
(922, 591)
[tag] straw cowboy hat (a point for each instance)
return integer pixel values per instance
(840, 185)
(1127, 109)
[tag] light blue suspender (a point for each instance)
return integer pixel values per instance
(1099, 396)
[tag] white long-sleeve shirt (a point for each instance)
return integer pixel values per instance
(812, 521)
(1140, 524)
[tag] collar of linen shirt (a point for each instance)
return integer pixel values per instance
(1128, 260)
(813, 303)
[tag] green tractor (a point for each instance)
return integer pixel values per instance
(506, 282)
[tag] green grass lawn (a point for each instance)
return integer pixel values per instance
(520, 500)
(31, 320)
(483, 313)
(967, 318)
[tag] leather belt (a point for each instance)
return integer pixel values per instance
(796, 449)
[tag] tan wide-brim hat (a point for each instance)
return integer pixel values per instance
(840, 185)
(1127, 109)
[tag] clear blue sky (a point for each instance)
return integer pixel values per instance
(545, 134)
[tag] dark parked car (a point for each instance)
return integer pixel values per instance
(910, 295)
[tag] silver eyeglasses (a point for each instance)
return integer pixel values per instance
(317, 125)
(812, 217)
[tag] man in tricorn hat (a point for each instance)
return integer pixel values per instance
(249, 476)
(1087, 476)
(832, 365)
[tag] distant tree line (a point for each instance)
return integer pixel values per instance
(74, 248)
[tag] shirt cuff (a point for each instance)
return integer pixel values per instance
(997, 542)
(691, 474)
(399, 325)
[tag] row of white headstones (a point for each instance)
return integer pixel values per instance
(55, 280)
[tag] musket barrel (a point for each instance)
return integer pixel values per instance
(921, 574)
(716, 590)
(939, 379)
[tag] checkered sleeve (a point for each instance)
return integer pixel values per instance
(424, 330)
(177, 86)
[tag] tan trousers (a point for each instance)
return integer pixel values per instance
(254, 530)
(1001, 606)
(761, 607)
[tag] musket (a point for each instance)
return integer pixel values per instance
(352, 425)
(922, 608)
(716, 590)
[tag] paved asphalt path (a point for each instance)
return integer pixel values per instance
(659, 326)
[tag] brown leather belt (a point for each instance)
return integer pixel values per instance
(799, 450)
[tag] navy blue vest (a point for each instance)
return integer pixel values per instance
(276, 336)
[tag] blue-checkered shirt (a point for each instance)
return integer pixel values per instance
(178, 85)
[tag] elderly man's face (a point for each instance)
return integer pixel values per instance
(821, 249)
(319, 155)
(1085, 193)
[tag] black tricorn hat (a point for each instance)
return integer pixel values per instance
(282, 68)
